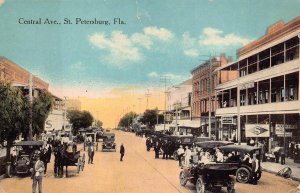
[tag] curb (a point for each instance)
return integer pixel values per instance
(272, 172)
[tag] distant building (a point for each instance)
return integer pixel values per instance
(204, 81)
(73, 104)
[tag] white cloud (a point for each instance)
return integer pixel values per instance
(1, 2)
(120, 47)
(160, 33)
(215, 37)
(153, 74)
(125, 49)
(171, 76)
(191, 52)
(142, 40)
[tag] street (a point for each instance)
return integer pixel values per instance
(138, 173)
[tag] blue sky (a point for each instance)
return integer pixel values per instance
(168, 37)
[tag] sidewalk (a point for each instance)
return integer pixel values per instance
(275, 167)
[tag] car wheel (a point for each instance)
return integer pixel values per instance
(243, 175)
(200, 186)
(8, 170)
(182, 178)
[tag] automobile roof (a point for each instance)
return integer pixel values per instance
(214, 143)
(108, 134)
(29, 143)
(241, 148)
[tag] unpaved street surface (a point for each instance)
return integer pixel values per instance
(138, 173)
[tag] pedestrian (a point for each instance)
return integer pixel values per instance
(291, 149)
(156, 149)
(255, 169)
(282, 156)
(180, 153)
(37, 174)
(91, 153)
(187, 156)
(122, 152)
(276, 153)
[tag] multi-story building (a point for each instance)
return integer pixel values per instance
(263, 102)
(204, 80)
(179, 106)
(19, 77)
(9, 71)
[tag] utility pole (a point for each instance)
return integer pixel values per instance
(147, 96)
(165, 79)
(30, 108)
(209, 97)
(65, 113)
(139, 105)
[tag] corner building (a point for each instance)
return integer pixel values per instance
(266, 93)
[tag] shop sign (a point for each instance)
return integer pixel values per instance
(286, 134)
(227, 120)
(286, 126)
(257, 130)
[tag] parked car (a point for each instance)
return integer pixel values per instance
(211, 176)
(109, 142)
(177, 140)
(26, 153)
(146, 132)
(244, 172)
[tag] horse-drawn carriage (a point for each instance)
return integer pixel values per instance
(67, 155)
(210, 176)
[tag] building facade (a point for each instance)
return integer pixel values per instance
(204, 81)
(179, 100)
(263, 102)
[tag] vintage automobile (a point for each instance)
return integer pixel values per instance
(146, 132)
(177, 140)
(244, 172)
(209, 176)
(26, 153)
(108, 142)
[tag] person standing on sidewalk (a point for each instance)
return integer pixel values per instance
(37, 174)
(180, 153)
(282, 156)
(255, 169)
(122, 152)
(156, 149)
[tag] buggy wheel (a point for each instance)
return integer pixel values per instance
(83, 162)
(175, 155)
(243, 175)
(182, 178)
(79, 165)
(258, 175)
(200, 186)
(8, 170)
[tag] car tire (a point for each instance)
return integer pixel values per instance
(182, 178)
(243, 175)
(200, 186)
(8, 170)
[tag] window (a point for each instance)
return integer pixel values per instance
(282, 94)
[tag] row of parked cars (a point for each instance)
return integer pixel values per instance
(212, 175)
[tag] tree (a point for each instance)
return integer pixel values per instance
(127, 119)
(99, 123)
(41, 107)
(12, 116)
(150, 117)
(79, 119)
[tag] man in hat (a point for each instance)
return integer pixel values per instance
(180, 153)
(122, 152)
(91, 152)
(38, 170)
